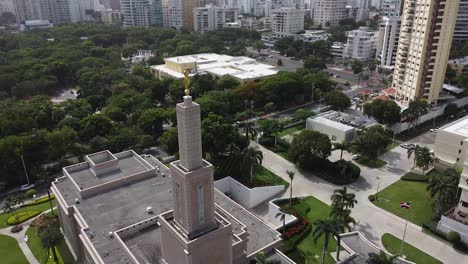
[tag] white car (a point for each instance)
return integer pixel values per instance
(27, 187)
(433, 130)
(356, 156)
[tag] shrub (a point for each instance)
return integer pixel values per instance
(411, 176)
(21, 217)
(343, 172)
(453, 237)
(30, 193)
(371, 198)
(39, 201)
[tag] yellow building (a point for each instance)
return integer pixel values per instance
(425, 39)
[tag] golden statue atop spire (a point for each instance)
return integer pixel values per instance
(186, 81)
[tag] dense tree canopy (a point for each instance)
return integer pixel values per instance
(385, 112)
(309, 145)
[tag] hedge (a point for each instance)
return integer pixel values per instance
(39, 201)
(411, 176)
(21, 217)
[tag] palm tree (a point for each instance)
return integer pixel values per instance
(51, 237)
(324, 227)
(282, 216)
(341, 198)
(344, 220)
(250, 157)
(343, 146)
(47, 179)
(415, 110)
(413, 150)
(425, 158)
(444, 189)
(381, 258)
(291, 177)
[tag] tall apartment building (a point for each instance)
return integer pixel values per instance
(425, 39)
(81, 10)
(136, 13)
(361, 44)
(211, 17)
(6, 6)
(57, 11)
(328, 12)
(287, 21)
(461, 27)
(391, 8)
(156, 13)
(387, 41)
(180, 13)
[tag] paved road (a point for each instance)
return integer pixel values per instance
(373, 222)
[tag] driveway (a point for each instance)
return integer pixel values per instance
(373, 222)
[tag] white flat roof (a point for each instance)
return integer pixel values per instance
(332, 123)
(459, 127)
(243, 68)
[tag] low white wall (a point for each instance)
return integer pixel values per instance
(274, 209)
(446, 225)
(245, 196)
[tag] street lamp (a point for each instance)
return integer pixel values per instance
(378, 185)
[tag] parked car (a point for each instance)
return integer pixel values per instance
(406, 145)
(336, 76)
(27, 187)
(356, 156)
(433, 130)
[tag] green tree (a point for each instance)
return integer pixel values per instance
(308, 145)
(381, 258)
(302, 114)
(282, 216)
(341, 198)
(258, 46)
(343, 146)
(60, 142)
(95, 125)
(413, 150)
(451, 109)
(169, 141)
(151, 121)
(415, 110)
(251, 156)
(369, 142)
(337, 100)
(98, 143)
(325, 228)
(385, 112)
(444, 190)
(425, 158)
(47, 178)
(271, 127)
(279, 62)
(50, 238)
(315, 63)
(227, 82)
(291, 178)
(217, 135)
(357, 66)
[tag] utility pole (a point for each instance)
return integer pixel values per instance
(25, 171)
(404, 234)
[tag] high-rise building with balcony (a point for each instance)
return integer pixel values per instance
(387, 41)
(361, 44)
(211, 17)
(328, 12)
(424, 45)
(136, 13)
(287, 21)
(461, 27)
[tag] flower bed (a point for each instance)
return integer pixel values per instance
(298, 228)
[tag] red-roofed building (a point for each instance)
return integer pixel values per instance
(382, 97)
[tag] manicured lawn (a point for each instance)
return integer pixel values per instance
(405, 191)
(42, 255)
(39, 207)
(291, 130)
(318, 210)
(10, 251)
(263, 177)
(392, 244)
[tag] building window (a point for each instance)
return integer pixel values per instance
(201, 204)
(459, 151)
(461, 143)
(458, 159)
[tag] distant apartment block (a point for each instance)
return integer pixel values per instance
(461, 26)
(387, 41)
(328, 12)
(361, 44)
(287, 21)
(211, 17)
